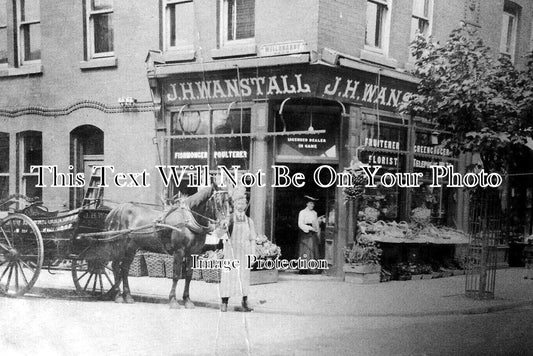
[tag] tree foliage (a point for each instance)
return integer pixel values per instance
(484, 102)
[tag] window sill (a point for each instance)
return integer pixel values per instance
(22, 70)
(378, 58)
(179, 54)
(234, 50)
(95, 63)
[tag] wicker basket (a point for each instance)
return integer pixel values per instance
(138, 266)
(168, 261)
(211, 275)
(196, 274)
(155, 264)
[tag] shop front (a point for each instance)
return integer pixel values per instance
(298, 126)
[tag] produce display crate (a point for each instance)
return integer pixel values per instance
(155, 264)
(138, 266)
(263, 276)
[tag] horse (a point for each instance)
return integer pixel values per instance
(180, 231)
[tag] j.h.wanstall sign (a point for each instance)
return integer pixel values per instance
(346, 85)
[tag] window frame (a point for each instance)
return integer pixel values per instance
(223, 28)
(22, 138)
(384, 28)
(186, 45)
(19, 26)
(427, 17)
(4, 26)
(211, 137)
(6, 173)
(504, 40)
(89, 29)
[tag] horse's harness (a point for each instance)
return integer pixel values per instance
(190, 221)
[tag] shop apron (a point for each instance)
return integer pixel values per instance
(236, 248)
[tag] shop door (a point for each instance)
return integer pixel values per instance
(289, 201)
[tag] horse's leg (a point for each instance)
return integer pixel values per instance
(176, 273)
(115, 290)
(125, 269)
(188, 277)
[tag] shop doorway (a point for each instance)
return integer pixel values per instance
(86, 151)
(289, 201)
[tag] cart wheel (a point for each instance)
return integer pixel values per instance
(93, 277)
(21, 254)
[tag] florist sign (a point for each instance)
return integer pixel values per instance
(280, 82)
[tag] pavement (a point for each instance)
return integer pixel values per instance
(320, 295)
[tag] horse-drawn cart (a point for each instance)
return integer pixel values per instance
(93, 236)
(33, 238)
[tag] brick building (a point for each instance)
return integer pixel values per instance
(298, 84)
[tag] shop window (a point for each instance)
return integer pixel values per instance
(321, 147)
(510, 18)
(4, 166)
(99, 28)
(30, 153)
(377, 25)
(211, 138)
(385, 144)
(428, 150)
(420, 21)
(237, 21)
(3, 33)
(179, 24)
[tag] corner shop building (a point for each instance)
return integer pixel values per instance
(286, 111)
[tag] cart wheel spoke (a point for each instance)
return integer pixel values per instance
(83, 275)
(15, 267)
(5, 236)
(88, 281)
(5, 271)
(23, 274)
(9, 277)
(94, 284)
(109, 279)
(4, 247)
(101, 284)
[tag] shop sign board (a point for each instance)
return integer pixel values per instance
(341, 84)
(282, 48)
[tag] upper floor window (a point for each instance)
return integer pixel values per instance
(179, 24)
(510, 18)
(237, 20)
(420, 21)
(3, 32)
(377, 23)
(99, 19)
(29, 25)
